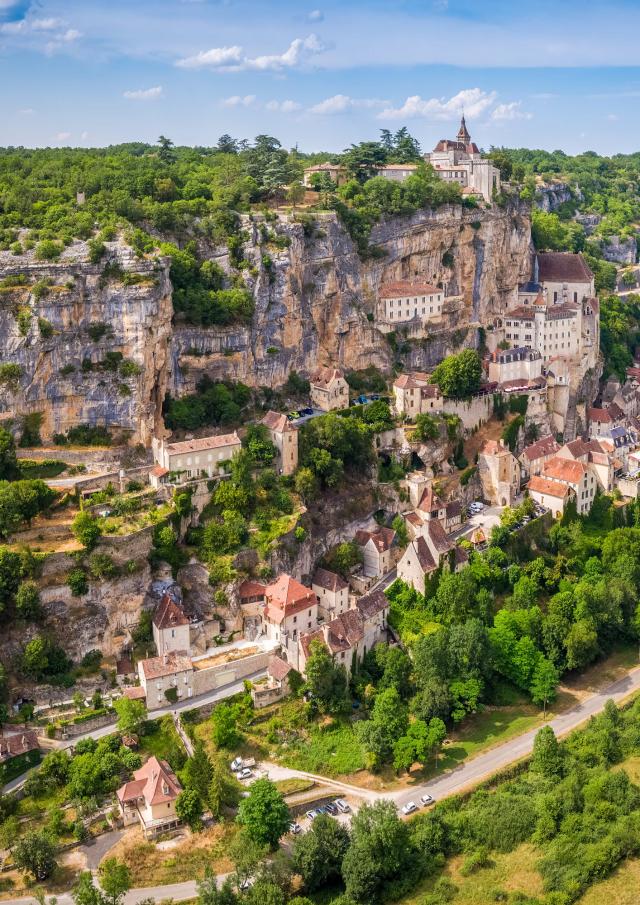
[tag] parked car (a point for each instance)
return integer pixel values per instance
(331, 809)
(427, 799)
(245, 884)
(245, 773)
(409, 808)
(295, 828)
(312, 814)
(236, 764)
(342, 805)
(307, 411)
(361, 400)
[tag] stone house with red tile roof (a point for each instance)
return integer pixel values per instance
(376, 550)
(329, 390)
(332, 592)
(284, 436)
(170, 627)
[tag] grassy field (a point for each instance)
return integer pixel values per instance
(162, 741)
(186, 860)
(621, 888)
(506, 874)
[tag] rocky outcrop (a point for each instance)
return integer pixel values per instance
(619, 251)
(319, 303)
(549, 197)
(61, 326)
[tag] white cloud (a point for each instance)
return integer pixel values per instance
(216, 58)
(63, 136)
(342, 103)
(237, 101)
(71, 34)
(612, 117)
(26, 111)
(283, 106)
(46, 24)
(144, 94)
(473, 101)
(316, 15)
(233, 59)
(510, 111)
(84, 136)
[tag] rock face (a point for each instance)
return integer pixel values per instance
(619, 251)
(316, 304)
(51, 326)
(549, 197)
(320, 304)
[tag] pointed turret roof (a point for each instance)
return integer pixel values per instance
(463, 134)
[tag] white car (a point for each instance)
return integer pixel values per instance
(295, 828)
(236, 764)
(409, 808)
(427, 799)
(342, 805)
(244, 774)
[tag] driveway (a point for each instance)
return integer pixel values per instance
(95, 850)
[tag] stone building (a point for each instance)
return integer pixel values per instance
(284, 436)
(576, 475)
(170, 627)
(206, 456)
(172, 670)
(407, 300)
(376, 550)
(460, 163)
(515, 364)
(415, 395)
(499, 473)
(329, 389)
(290, 609)
(551, 494)
(533, 457)
(332, 592)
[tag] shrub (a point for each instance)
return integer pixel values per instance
(45, 327)
(48, 250)
(77, 581)
(10, 374)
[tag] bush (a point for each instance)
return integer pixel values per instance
(45, 327)
(77, 581)
(48, 250)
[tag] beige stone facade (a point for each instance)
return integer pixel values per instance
(329, 389)
(197, 458)
(150, 798)
(284, 437)
(499, 472)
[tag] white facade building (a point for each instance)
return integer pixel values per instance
(197, 458)
(460, 162)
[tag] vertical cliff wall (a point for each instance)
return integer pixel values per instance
(64, 324)
(318, 304)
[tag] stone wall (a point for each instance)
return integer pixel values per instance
(205, 680)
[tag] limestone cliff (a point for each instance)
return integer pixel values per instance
(318, 304)
(61, 325)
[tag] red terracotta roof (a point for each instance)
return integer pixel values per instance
(277, 422)
(278, 668)
(538, 484)
(287, 597)
(569, 470)
(168, 614)
(425, 559)
(166, 665)
(158, 471)
(545, 446)
(430, 501)
(329, 580)
(155, 781)
(602, 416)
(438, 537)
(381, 537)
(415, 380)
(324, 377)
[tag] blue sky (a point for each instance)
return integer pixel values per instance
(561, 74)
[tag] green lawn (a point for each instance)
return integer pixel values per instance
(332, 749)
(161, 739)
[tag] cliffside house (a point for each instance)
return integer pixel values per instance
(159, 674)
(533, 457)
(461, 163)
(376, 550)
(431, 508)
(17, 744)
(329, 389)
(332, 592)
(551, 494)
(150, 798)
(409, 300)
(416, 564)
(415, 395)
(290, 609)
(350, 635)
(251, 591)
(557, 312)
(499, 473)
(275, 686)
(595, 454)
(205, 457)
(576, 475)
(170, 627)
(603, 420)
(284, 436)
(521, 364)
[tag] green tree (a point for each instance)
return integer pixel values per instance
(264, 814)
(28, 601)
(459, 376)
(166, 151)
(132, 715)
(364, 160)
(189, 808)
(547, 757)
(326, 680)
(544, 683)
(317, 855)
(306, 484)
(198, 772)
(389, 721)
(380, 852)
(224, 790)
(86, 530)
(115, 880)
(224, 720)
(9, 469)
(34, 853)
(210, 893)
(35, 657)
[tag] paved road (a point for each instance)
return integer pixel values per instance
(478, 768)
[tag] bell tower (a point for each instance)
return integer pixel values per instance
(463, 135)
